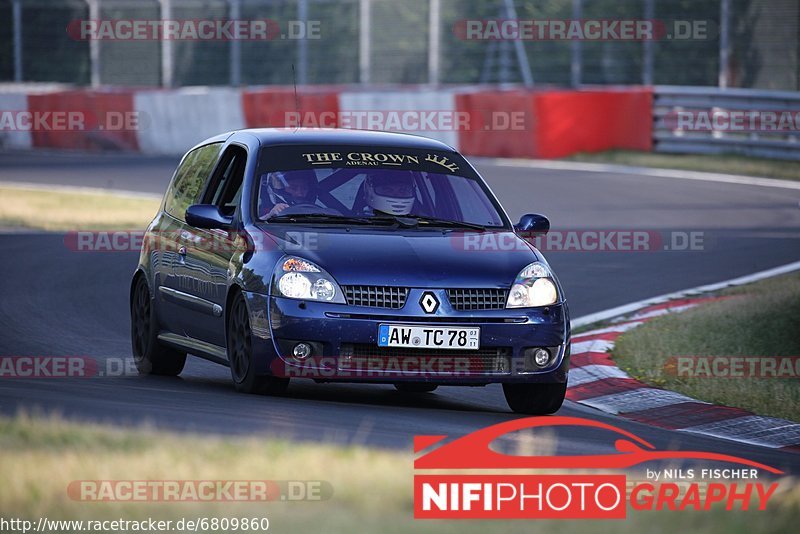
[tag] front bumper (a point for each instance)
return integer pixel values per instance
(344, 341)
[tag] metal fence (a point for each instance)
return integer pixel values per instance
(702, 120)
(750, 43)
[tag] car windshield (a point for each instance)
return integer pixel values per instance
(372, 186)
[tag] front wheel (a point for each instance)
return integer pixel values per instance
(240, 355)
(149, 355)
(535, 399)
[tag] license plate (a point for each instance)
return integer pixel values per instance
(427, 337)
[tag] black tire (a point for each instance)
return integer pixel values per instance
(150, 356)
(240, 355)
(415, 387)
(535, 399)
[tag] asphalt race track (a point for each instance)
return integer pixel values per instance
(56, 302)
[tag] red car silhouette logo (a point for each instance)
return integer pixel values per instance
(472, 451)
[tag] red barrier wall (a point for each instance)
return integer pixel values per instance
(501, 124)
(553, 124)
(85, 120)
(593, 121)
(272, 107)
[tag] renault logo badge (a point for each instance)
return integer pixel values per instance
(429, 302)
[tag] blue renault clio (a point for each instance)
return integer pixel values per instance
(343, 255)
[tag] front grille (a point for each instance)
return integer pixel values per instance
(376, 296)
(365, 356)
(477, 299)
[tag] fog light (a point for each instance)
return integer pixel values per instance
(301, 351)
(541, 357)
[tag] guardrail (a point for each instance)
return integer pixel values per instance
(705, 120)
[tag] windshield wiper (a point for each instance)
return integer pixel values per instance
(317, 218)
(400, 220)
(433, 221)
(320, 218)
(404, 221)
(413, 221)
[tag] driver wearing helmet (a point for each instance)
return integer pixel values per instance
(390, 192)
(289, 189)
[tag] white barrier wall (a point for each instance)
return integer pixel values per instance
(414, 101)
(171, 122)
(11, 137)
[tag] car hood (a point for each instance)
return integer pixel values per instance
(411, 258)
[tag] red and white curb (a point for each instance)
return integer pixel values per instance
(596, 381)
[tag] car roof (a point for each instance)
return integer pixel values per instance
(335, 136)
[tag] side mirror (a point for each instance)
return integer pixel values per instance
(533, 222)
(207, 216)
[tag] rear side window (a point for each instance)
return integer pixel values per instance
(190, 178)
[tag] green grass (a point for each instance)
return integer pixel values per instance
(67, 210)
(372, 489)
(763, 319)
(726, 163)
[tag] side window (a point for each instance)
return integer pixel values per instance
(190, 178)
(225, 188)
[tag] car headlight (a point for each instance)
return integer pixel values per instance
(296, 278)
(534, 286)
